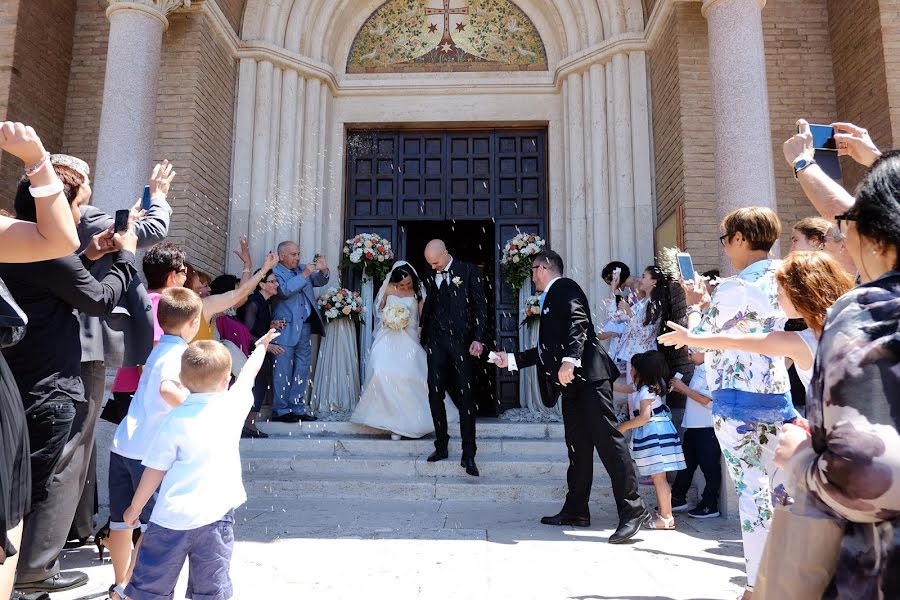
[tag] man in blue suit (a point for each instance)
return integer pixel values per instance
(296, 306)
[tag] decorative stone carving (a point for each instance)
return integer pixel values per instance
(165, 7)
(405, 36)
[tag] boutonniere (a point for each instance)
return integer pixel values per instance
(546, 310)
(456, 281)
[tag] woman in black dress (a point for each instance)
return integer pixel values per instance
(257, 317)
(53, 235)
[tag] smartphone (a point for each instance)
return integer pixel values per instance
(823, 137)
(145, 199)
(685, 266)
(121, 220)
(825, 148)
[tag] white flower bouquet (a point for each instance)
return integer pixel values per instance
(341, 303)
(368, 251)
(395, 316)
(516, 258)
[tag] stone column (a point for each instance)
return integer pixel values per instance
(241, 162)
(128, 114)
(575, 221)
(740, 100)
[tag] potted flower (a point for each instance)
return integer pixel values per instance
(341, 303)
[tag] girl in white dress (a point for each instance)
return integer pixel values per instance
(395, 391)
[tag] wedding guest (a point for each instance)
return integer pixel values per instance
(197, 281)
(809, 234)
(621, 287)
(256, 315)
(751, 392)
(295, 304)
(47, 367)
(52, 235)
(655, 444)
(196, 464)
(848, 470)
(644, 319)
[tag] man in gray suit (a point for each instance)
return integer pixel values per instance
(102, 346)
(296, 306)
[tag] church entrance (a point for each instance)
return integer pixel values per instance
(473, 189)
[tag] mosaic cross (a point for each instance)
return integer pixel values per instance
(446, 11)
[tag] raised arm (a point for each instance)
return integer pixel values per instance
(153, 226)
(825, 194)
(213, 305)
(247, 376)
(775, 343)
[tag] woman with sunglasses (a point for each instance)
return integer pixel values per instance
(848, 470)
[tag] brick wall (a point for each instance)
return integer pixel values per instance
(35, 76)
(667, 135)
(860, 73)
(890, 36)
(801, 84)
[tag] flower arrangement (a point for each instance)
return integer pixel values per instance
(515, 261)
(395, 316)
(368, 252)
(532, 309)
(341, 303)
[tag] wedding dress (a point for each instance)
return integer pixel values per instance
(395, 393)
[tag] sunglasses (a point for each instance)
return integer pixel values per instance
(841, 219)
(722, 239)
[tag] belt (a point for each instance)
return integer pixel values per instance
(656, 411)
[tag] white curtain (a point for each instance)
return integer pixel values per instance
(366, 332)
(336, 384)
(529, 388)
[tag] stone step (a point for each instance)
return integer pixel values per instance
(470, 489)
(492, 466)
(342, 445)
(486, 428)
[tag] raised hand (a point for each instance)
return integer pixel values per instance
(161, 178)
(800, 145)
(856, 143)
(502, 361)
(243, 253)
(321, 264)
(22, 142)
(265, 340)
(678, 337)
(271, 261)
(695, 291)
(126, 240)
(101, 244)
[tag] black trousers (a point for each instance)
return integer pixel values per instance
(590, 425)
(701, 448)
(450, 372)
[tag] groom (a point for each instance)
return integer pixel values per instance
(454, 321)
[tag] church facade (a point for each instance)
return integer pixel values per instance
(611, 127)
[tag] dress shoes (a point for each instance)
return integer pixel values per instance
(306, 417)
(17, 595)
(628, 528)
(566, 519)
(287, 418)
(438, 455)
(62, 581)
(469, 465)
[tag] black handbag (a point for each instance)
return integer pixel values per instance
(12, 319)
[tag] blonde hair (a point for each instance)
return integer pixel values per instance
(813, 281)
(204, 365)
(177, 306)
(759, 225)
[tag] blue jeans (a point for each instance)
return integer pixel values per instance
(291, 376)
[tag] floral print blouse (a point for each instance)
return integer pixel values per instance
(746, 303)
(637, 337)
(852, 470)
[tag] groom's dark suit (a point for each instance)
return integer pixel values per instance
(566, 331)
(454, 316)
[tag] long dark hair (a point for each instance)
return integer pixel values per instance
(651, 370)
(402, 272)
(877, 207)
(659, 307)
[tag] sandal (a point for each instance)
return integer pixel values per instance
(118, 590)
(661, 522)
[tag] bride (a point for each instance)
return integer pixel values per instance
(395, 392)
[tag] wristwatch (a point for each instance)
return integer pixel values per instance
(802, 164)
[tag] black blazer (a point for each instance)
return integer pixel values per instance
(466, 305)
(566, 330)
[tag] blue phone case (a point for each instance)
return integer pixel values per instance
(145, 200)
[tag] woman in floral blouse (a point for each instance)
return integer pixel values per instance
(751, 392)
(644, 319)
(850, 468)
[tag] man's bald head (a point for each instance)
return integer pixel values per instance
(436, 255)
(289, 254)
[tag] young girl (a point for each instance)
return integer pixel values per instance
(655, 444)
(645, 317)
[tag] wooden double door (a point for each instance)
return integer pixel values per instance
(473, 189)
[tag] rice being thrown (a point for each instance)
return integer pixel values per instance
(396, 317)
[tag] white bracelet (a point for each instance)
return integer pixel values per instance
(33, 169)
(45, 191)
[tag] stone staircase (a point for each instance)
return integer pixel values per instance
(519, 462)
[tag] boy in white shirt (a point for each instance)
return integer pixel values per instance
(701, 448)
(196, 459)
(159, 391)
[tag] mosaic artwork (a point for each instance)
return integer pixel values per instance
(406, 36)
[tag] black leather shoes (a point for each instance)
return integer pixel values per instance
(287, 418)
(17, 595)
(306, 417)
(438, 455)
(628, 528)
(62, 581)
(564, 519)
(469, 465)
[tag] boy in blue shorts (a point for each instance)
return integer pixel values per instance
(195, 462)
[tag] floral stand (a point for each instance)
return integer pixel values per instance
(336, 383)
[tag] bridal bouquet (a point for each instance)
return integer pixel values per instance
(515, 260)
(395, 316)
(369, 252)
(533, 309)
(341, 303)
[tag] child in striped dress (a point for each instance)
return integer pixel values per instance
(656, 447)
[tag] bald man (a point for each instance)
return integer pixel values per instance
(454, 324)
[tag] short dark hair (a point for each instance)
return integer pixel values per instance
(877, 207)
(223, 284)
(606, 273)
(160, 260)
(24, 201)
(759, 225)
(652, 370)
(553, 260)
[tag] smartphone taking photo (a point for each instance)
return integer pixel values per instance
(825, 150)
(145, 199)
(121, 221)
(685, 266)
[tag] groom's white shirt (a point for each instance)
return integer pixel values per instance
(439, 277)
(512, 366)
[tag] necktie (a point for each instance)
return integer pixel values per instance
(442, 277)
(541, 301)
